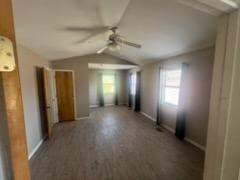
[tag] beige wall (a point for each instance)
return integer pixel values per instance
(93, 98)
(201, 64)
(110, 99)
(28, 61)
(80, 67)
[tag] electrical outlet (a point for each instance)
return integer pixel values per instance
(7, 60)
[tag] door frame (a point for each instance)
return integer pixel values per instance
(222, 145)
(13, 115)
(74, 87)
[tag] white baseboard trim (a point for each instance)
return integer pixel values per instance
(168, 128)
(194, 143)
(106, 105)
(122, 104)
(94, 106)
(36, 147)
(185, 139)
(173, 131)
(148, 116)
(82, 118)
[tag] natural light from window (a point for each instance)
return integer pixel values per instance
(133, 84)
(108, 84)
(171, 87)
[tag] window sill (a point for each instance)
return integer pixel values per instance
(170, 105)
(108, 93)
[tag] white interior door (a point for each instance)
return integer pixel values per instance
(54, 97)
(50, 99)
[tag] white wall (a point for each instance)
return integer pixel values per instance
(35, 129)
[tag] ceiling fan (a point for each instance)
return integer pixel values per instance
(115, 40)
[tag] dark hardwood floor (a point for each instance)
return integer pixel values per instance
(118, 144)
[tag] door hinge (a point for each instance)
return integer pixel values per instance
(7, 59)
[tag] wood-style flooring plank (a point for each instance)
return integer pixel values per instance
(115, 143)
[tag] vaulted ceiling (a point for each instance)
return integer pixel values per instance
(163, 27)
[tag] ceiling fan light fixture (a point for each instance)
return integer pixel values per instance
(115, 40)
(113, 46)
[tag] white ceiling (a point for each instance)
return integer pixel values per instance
(163, 27)
(110, 66)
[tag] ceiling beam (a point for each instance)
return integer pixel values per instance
(219, 4)
(201, 6)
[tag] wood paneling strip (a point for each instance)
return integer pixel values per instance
(13, 102)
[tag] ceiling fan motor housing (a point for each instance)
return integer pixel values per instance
(114, 38)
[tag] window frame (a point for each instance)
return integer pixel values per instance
(113, 84)
(164, 86)
(133, 84)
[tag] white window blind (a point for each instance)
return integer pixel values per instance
(108, 84)
(133, 84)
(171, 87)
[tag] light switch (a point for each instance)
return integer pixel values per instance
(7, 60)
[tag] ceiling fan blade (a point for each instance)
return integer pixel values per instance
(130, 44)
(87, 29)
(101, 50)
(90, 36)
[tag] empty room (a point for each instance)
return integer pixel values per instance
(123, 90)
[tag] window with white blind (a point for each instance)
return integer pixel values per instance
(133, 84)
(108, 84)
(171, 87)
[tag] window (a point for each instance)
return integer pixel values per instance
(171, 87)
(108, 84)
(133, 84)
